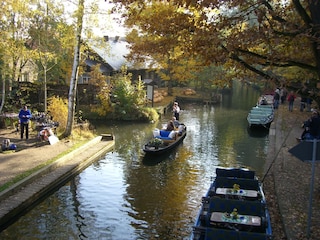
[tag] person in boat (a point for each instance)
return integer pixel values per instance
(170, 126)
(311, 127)
(176, 123)
(263, 101)
(176, 110)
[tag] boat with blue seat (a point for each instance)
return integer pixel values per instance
(164, 141)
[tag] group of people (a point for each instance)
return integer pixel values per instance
(24, 120)
(281, 95)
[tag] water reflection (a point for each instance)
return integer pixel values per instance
(126, 195)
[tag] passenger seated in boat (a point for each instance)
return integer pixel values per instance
(176, 123)
(263, 101)
(170, 126)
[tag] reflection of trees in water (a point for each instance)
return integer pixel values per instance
(80, 220)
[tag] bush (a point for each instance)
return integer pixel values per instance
(58, 110)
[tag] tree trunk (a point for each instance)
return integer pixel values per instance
(74, 75)
(3, 92)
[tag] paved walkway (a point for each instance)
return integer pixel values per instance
(292, 177)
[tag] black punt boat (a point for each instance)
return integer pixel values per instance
(165, 141)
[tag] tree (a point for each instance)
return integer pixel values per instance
(160, 32)
(128, 98)
(47, 34)
(276, 40)
(98, 80)
(74, 76)
(15, 22)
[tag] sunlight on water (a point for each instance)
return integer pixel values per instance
(126, 195)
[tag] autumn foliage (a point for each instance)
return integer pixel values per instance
(273, 41)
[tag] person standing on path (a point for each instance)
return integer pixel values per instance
(276, 98)
(24, 118)
(291, 98)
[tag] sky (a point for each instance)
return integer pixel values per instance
(107, 25)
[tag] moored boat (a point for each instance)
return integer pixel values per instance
(164, 141)
(234, 207)
(263, 113)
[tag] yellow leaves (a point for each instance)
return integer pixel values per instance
(58, 109)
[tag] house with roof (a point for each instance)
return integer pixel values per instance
(111, 55)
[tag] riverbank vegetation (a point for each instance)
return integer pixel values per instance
(192, 44)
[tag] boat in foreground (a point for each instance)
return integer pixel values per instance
(234, 208)
(164, 141)
(263, 113)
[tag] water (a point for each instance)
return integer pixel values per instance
(126, 195)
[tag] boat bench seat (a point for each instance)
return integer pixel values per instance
(259, 115)
(223, 234)
(268, 111)
(252, 236)
(244, 207)
(235, 173)
(167, 135)
(227, 182)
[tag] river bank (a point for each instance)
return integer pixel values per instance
(287, 181)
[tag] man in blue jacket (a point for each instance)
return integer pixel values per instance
(24, 117)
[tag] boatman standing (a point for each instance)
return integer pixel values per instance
(176, 110)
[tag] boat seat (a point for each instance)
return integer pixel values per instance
(248, 184)
(252, 236)
(221, 234)
(235, 173)
(167, 135)
(243, 207)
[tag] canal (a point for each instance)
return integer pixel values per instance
(125, 195)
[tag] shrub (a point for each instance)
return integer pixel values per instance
(58, 110)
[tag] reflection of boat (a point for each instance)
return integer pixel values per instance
(258, 132)
(263, 113)
(233, 208)
(152, 160)
(165, 141)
